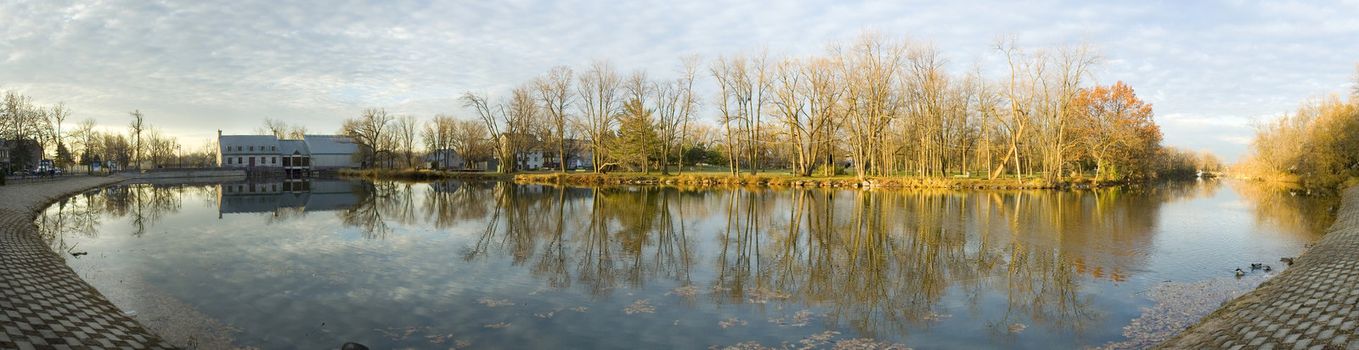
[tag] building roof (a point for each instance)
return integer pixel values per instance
(330, 144)
(289, 147)
(247, 139)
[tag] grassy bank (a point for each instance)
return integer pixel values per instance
(784, 180)
(723, 179)
(418, 174)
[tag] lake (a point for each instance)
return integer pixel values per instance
(314, 264)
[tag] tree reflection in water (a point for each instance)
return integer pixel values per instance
(878, 262)
(142, 204)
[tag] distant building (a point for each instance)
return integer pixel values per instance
(20, 155)
(447, 159)
(536, 154)
(312, 152)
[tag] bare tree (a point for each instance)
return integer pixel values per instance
(405, 138)
(369, 131)
(137, 127)
(599, 101)
(85, 136)
(688, 101)
(275, 127)
(506, 123)
(554, 92)
(871, 66)
(726, 73)
(438, 136)
(471, 141)
(791, 103)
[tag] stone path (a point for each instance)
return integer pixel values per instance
(1312, 305)
(43, 303)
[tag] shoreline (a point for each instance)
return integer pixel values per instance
(726, 180)
(1310, 304)
(788, 181)
(47, 302)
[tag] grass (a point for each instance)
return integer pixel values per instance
(419, 174)
(717, 178)
(783, 179)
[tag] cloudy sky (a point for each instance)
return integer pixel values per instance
(1210, 68)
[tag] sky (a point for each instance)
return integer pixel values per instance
(1211, 69)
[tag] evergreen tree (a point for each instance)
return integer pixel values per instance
(637, 139)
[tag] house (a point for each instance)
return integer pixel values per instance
(578, 155)
(447, 159)
(20, 155)
(312, 152)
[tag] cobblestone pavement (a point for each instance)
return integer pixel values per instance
(43, 303)
(1312, 305)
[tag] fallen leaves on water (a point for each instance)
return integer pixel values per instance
(640, 306)
(934, 316)
(685, 291)
(764, 295)
(799, 319)
(867, 344)
(1016, 328)
(497, 325)
(397, 334)
(489, 302)
(731, 322)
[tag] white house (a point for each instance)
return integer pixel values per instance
(293, 156)
(444, 159)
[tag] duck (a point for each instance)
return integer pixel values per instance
(1268, 268)
(1240, 272)
(1286, 260)
(1256, 266)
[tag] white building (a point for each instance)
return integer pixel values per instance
(294, 156)
(444, 159)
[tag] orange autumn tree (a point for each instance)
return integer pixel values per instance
(1115, 131)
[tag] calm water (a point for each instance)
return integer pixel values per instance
(495, 265)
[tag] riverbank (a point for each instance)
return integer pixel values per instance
(1311, 305)
(789, 181)
(418, 174)
(46, 303)
(723, 179)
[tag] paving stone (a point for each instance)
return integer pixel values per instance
(1309, 305)
(46, 305)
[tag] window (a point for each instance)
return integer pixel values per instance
(273, 148)
(273, 160)
(238, 160)
(228, 161)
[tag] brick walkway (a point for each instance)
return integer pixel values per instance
(1312, 305)
(43, 303)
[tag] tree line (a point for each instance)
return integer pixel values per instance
(872, 106)
(25, 125)
(1316, 147)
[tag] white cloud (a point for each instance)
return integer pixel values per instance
(204, 66)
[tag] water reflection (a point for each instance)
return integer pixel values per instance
(879, 264)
